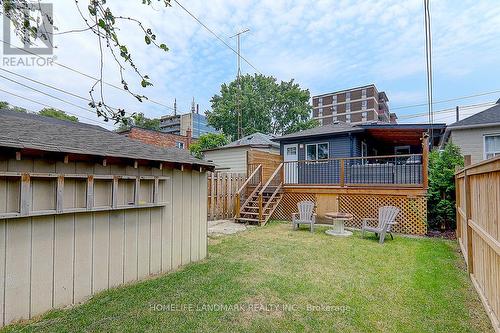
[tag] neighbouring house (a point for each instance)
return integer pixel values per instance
(241, 154)
(84, 209)
(311, 156)
(180, 123)
(158, 138)
(477, 135)
(348, 168)
(355, 105)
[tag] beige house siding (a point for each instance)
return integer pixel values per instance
(233, 159)
(471, 141)
(55, 260)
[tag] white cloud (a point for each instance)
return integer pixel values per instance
(324, 45)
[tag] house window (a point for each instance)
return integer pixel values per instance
(291, 150)
(334, 99)
(363, 93)
(334, 109)
(179, 144)
(364, 116)
(491, 146)
(317, 151)
(348, 95)
(364, 104)
(348, 118)
(348, 107)
(320, 112)
(320, 101)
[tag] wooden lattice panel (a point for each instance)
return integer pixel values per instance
(288, 205)
(411, 219)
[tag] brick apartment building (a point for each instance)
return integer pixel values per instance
(356, 105)
(158, 138)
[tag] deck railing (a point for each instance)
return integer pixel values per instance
(400, 170)
(253, 181)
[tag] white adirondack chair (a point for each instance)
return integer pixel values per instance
(386, 219)
(305, 215)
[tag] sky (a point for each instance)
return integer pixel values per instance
(323, 45)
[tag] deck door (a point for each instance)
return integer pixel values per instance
(291, 155)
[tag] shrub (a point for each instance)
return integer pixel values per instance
(441, 196)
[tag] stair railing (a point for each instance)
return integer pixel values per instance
(255, 179)
(276, 179)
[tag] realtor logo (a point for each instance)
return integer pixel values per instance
(41, 29)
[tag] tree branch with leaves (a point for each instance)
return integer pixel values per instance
(104, 24)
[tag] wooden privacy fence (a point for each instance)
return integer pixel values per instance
(222, 188)
(478, 230)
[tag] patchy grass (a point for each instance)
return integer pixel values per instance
(276, 279)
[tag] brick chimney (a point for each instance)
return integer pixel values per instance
(188, 137)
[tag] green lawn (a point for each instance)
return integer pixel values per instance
(276, 279)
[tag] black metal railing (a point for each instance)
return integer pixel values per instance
(374, 170)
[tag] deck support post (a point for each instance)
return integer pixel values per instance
(237, 206)
(425, 161)
(260, 208)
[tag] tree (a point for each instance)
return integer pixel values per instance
(207, 141)
(266, 106)
(6, 105)
(139, 120)
(31, 21)
(58, 114)
(441, 197)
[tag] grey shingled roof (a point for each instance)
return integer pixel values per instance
(252, 140)
(488, 116)
(25, 130)
(337, 128)
(256, 139)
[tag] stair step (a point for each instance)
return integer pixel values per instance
(250, 213)
(247, 219)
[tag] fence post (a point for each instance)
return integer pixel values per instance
(468, 216)
(342, 172)
(458, 195)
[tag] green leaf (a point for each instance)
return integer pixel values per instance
(164, 47)
(147, 39)
(145, 83)
(102, 24)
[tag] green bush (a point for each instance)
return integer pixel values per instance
(207, 141)
(441, 195)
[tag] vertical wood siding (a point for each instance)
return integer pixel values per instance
(55, 260)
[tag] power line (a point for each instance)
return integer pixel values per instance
(447, 100)
(55, 88)
(428, 58)
(448, 110)
(86, 75)
(49, 106)
(217, 36)
(46, 94)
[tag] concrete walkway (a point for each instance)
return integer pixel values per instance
(224, 227)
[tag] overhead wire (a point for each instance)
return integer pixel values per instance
(86, 75)
(217, 36)
(50, 106)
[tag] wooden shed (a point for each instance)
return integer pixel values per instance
(83, 209)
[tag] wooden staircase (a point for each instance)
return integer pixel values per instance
(260, 201)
